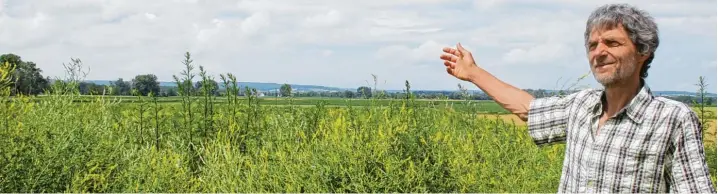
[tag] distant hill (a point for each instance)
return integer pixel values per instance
(258, 85)
(680, 93)
(656, 93)
(297, 87)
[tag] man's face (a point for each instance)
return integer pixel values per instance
(612, 55)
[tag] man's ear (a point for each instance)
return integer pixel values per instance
(642, 58)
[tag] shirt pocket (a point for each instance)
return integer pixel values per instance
(641, 165)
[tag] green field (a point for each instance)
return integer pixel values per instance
(482, 106)
(57, 144)
(100, 144)
(64, 142)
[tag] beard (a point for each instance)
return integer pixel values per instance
(620, 72)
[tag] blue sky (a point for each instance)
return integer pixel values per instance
(342, 43)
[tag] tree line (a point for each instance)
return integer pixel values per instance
(28, 80)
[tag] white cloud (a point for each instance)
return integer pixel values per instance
(484, 5)
(703, 25)
(318, 40)
(206, 34)
(256, 22)
(538, 54)
(406, 55)
(327, 19)
(150, 16)
(38, 19)
(401, 23)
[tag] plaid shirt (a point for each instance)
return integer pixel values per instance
(652, 145)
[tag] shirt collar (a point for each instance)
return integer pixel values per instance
(634, 109)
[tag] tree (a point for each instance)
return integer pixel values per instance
(27, 78)
(348, 94)
(121, 87)
(214, 87)
(171, 92)
(364, 91)
(89, 88)
(286, 90)
(144, 84)
(312, 94)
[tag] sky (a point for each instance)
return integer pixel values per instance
(341, 43)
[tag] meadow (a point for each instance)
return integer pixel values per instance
(481, 106)
(58, 144)
(64, 142)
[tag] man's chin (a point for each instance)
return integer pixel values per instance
(605, 81)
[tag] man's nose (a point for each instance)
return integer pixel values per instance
(601, 49)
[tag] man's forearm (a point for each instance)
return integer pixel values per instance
(509, 97)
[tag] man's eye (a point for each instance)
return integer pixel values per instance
(612, 43)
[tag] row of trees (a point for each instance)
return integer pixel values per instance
(28, 80)
(710, 101)
(140, 85)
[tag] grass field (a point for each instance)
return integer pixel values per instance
(57, 144)
(710, 134)
(489, 108)
(85, 144)
(64, 142)
(480, 106)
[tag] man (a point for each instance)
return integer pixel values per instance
(620, 138)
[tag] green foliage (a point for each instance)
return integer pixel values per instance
(75, 73)
(91, 89)
(146, 84)
(703, 114)
(286, 90)
(209, 86)
(27, 77)
(348, 94)
(364, 92)
(6, 81)
(57, 146)
(68, 143)
(121, 87)
(170, 92)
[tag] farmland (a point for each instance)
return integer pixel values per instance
(480, 106)
(66, 142)
(73, 143)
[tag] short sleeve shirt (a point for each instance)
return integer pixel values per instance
(652, 145)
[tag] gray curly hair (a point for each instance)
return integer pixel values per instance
(640, 26)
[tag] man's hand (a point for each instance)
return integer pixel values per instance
(459, 62)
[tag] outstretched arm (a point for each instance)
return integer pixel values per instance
(460, 63)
